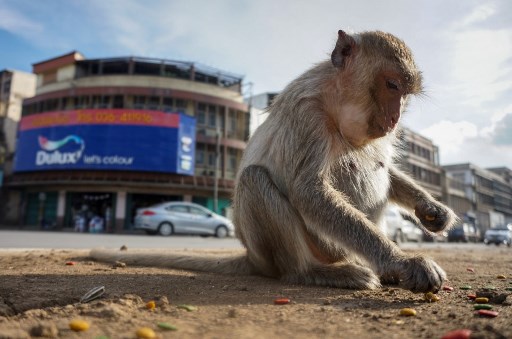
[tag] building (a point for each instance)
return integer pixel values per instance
(421, 160)
(107, 136)
(258, 105)
(489, 191)
(14, 87)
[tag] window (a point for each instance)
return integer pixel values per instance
(197, 211)
(154, 103)
(118, 101)
(201, 114)
(167, 105)
(178, 208)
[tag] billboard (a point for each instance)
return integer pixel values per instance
(111, 139)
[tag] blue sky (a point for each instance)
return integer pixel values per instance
(463, 47)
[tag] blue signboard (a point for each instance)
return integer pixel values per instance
(107, 140)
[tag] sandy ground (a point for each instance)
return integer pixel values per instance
(40, 295)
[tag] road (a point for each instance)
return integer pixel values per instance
(69, 240)
(29, 239)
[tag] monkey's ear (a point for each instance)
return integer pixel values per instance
(343, 50)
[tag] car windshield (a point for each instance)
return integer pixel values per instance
(502, 228)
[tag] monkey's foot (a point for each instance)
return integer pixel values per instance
(337, 275)
(421, 274)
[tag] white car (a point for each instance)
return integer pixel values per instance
(499, 235)
(398, 228)
(182, 218)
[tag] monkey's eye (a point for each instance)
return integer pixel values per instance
(391, 84)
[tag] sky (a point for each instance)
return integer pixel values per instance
(463, 47)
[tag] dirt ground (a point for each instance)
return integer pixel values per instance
(40, 294)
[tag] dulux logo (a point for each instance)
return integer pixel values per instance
(51, 155)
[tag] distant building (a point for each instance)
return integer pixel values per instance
(258, 104)
(489, 191)
(421, 160)
(108, 136)
(14, 87)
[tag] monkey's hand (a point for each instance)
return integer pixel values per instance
(434, 215)
(420, 274)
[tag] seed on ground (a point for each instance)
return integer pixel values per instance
(188, 308)
(167, 326)
(151, 305)
(465, 287)
(145, 333)
(501, 276)
(431, 297)
(482, 300)
(487, 313)
(482, 307)
(472, 296)
(70, 263)
(281, 301)
(79, 325)
(408, 312)
(489, 288)
(447, 288)
(457, 334)
(470, 269)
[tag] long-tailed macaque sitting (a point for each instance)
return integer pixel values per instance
(317, 174)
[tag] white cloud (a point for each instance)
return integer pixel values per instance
(450, 135)
(15, 22)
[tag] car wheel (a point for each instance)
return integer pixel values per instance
(165, 229)
(221, 232)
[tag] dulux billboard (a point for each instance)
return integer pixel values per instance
(112, 139)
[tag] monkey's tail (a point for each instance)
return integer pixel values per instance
(233, 264)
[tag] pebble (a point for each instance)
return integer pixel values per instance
(167, 326)
(145, 333)
(408, 312)
(487, 313)
(123, 248)
(281, 301)
(79, 325)
(501, 276)
(482, 307)
(46, 330)
(457, 334)
(481, 300)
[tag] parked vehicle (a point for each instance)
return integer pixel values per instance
(464, 232)
(499, 235)
(182, 218)
(398, 228)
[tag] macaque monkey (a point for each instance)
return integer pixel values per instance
(317, 175)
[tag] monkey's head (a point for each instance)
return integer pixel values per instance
(376, 74)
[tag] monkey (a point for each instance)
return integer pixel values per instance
(317, 175)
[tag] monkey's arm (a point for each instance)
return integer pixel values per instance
(431, 213)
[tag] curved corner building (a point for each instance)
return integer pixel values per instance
(107, 136)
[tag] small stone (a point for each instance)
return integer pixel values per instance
(46, 330)
(123, 248)
(119, 264)
(501, 277)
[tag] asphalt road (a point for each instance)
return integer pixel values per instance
(30, 239)
(69, 240)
